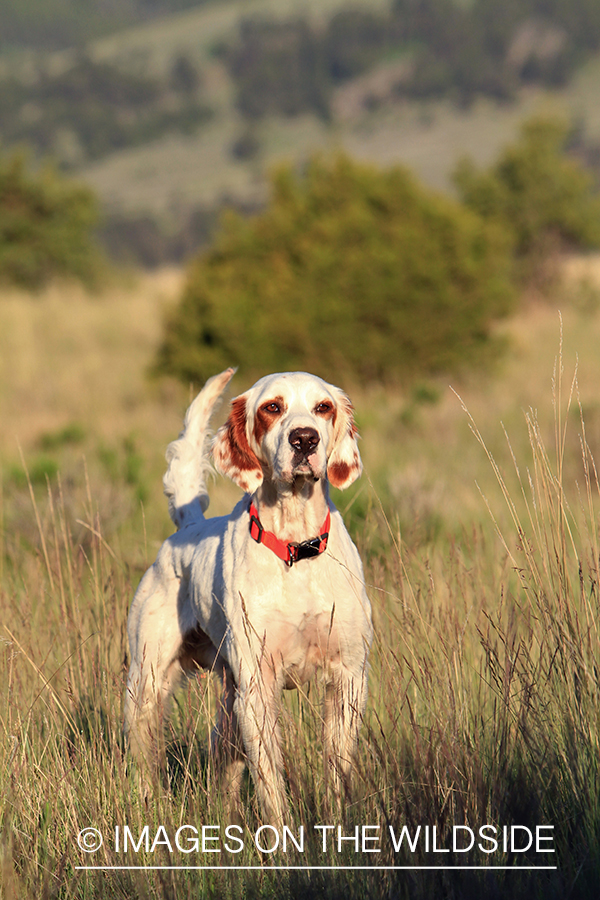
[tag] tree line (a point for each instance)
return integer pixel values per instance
(455, 50)
(92, 108)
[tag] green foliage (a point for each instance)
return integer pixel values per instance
(351, 272)
(71, 434)
(537, 192)
(125, 464)
(457, 49)
(39, 471)
(46, 226)
(277, 69)
(354, 40)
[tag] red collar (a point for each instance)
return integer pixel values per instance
(292, 551)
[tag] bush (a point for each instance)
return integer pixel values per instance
(46, 226)
(537, 192)
(350, 272)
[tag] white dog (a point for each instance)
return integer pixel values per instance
(265, 596)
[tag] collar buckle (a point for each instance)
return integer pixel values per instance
(307, 549)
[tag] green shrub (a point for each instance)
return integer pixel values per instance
(537, 192)
(40, 470)
(350, 272)
(46, 225)
(71, 434)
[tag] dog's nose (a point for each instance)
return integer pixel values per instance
(304, 440)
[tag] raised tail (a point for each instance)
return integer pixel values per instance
(185, 479)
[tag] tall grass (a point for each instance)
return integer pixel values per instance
(483, 706)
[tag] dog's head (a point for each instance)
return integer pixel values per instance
(289, 426)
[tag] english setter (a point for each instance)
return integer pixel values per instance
(265, 596)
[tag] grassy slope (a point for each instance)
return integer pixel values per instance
(471, 717)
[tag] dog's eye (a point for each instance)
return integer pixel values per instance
(324, 408)
(272, 408)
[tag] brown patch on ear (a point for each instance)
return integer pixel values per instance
(344, 465)
(232, 454)
(338, 473)
(244, 458)
(341, 474)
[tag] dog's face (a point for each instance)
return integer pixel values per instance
(289, 426)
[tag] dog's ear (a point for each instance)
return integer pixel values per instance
(344, 463)
(232, 454)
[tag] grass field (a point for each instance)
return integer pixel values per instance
(481, 558)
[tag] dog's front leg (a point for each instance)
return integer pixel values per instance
(257, 710)
(345, 702)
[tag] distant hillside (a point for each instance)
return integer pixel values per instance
(39, 25)
(88, 109)
(455, 50)
(172, 109)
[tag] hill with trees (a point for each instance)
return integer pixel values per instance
(455, 50)
(90, 108)
(172, 109)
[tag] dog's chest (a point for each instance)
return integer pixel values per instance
(296, 646)
(291, 621)
(300, 627)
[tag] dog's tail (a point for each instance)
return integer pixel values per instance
(185, 479)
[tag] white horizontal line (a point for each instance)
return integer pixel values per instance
(307, 868)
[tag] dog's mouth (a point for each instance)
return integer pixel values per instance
(305, 466)
(306, 471)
